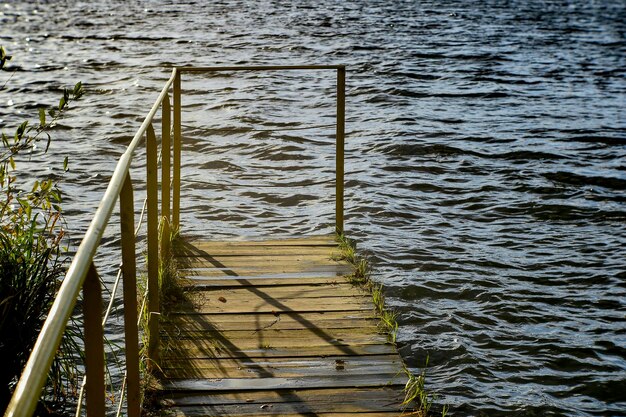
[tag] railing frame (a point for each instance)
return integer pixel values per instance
(176, 155)
(340, 122)
(129, 272)
(82, 273)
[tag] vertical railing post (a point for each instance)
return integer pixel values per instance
(153, 246)
(129, 272)
(177, 155)
(165, 174)
(94, 343)
(340, 137)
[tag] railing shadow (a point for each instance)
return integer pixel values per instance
(186, 250)
(215, 344)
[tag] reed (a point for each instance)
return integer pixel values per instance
(31, 269)
(415, 392)
(417, 400)
(33, 257)
(361, 275)
(172, 291)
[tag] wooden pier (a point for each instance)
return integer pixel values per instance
(274, 328)
(268, 327)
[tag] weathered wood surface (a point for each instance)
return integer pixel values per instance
(273, 328)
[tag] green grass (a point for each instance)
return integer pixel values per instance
(415, 393)
(31, 269)
(172, 291)
(417, 400)
(32, 256)
(361, 276)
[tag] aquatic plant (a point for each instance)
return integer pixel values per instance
(172, 291)
(417, 398)
(414, 391)
(361, 276)
(32, 257)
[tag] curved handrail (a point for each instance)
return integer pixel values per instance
(28, 389)
(82, 274)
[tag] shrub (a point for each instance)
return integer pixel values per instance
(32, 258)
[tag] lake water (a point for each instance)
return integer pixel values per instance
(485, 170)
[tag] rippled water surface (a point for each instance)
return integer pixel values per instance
(485, 165)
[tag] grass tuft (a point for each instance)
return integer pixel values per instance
(361, 276)
(172, 292)
(415, 393)
(417, 400)
(32, 265)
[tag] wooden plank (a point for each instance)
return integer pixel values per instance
(172, 327)
(363, 405)
(277, 383)
(209, 351)
(258, 261)
(225, 368)
(205, 412)
(196, 277)
(320, 285)
(380, 395)
(221, 261)
(310, 240)
(342, 400)
(201, 250)
(257, 281)
(259, 305)
(270, 270)
(182, 344)
(274, 292)
(207, 373)
(250, 301)
(283, 363)
(253, 322)
(181, 334)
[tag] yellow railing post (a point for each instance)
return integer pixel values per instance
(129, 272)
(177, 155)
(340, 137)
(153, 246)
(165, 174)
(82, 275)
(82, 272)
(94, 343)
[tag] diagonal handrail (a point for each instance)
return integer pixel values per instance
(28, 389)
(82, 273)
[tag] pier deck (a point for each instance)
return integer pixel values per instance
(274, 328)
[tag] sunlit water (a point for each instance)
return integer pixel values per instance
(485, 163)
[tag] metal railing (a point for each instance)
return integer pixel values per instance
(82, 273)
(340, 118)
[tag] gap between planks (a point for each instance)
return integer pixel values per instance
(276, 322)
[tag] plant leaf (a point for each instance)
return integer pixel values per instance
(65, 167)
(4, 57)
(42, 117)
(19, 133)
(48, 143)
(78, 90)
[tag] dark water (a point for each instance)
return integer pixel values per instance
(485, 162)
